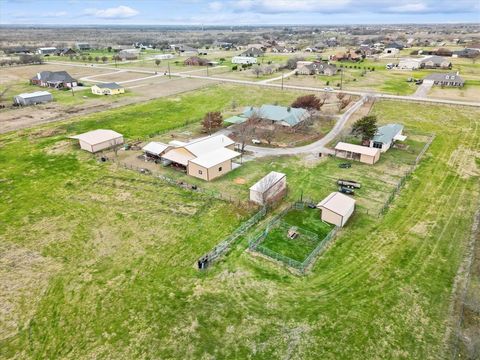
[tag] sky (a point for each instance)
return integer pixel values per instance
(239, 12)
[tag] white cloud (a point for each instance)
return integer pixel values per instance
(288, 6)
(408, 8)
(119, 12)
(55, 14)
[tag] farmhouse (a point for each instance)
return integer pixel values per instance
(107, 89)
(363, 154)
(46, 50)
(409, 64)
(433, 62)
(269, 188)
(55, 79)
(448, 79)
(466, 53)
(206, 158)
(196, 61)
(244, 60)
(37, 97)
(129, 54)
(185, 50)
(66, 52)
(281, 115)
(315, 67)
(336, 208)
(83, 46)
(386, 136)
(252, 52)
(97, 140)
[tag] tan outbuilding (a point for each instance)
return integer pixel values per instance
(363, 154)
(336, 208)
(97, 140)
(269, 188)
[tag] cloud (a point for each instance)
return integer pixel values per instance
(54, 14)
(215, 6)
(288, 6)
(119, 12)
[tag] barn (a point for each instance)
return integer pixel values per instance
(336, 208)
(97, 140)
(36, 97)
(360, 153)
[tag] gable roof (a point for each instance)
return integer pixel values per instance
(97, 136)
(338, 203)
(449, 77)
(207, 144)
(289, 115)
(155, 148)
(54, 76)
(267, 181)
(357, 149)
(435, 59)
(112, 85)
(252, 51)
(34, 94)
(386, 133)
(215, 157)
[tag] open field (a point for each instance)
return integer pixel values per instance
(99, 261)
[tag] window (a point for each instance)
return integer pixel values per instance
(377, 144)
(220, 168)
(200, 172)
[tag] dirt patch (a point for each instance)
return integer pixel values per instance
(463, 160)
(25, 274)
(240, 181)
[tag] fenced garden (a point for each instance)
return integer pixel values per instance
(295, 237)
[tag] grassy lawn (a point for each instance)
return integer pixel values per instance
(300, 247)
(98, 262)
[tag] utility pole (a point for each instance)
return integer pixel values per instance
(169, 76)
(341, 79)
(282, 79)
(207, 69)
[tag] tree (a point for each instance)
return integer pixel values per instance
(247, 129)
(366, 127)
(97, 58)
(343, 103)
(212, 121)
(340, 95)
(257, 70)
(84, 57)
(90, 58)
(104, 59)
(309, 102)
(157, 62)
(292, 62)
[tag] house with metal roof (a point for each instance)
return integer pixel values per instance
(280, 115)
(97, 140)
(107, 89)
(252, 52)
(205, 158)
(386, 136)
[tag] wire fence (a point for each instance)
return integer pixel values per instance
(222, 248)
(255, 243)
(404, 178)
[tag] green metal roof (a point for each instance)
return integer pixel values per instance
(386, 133)
(289, 115)
(237, 119)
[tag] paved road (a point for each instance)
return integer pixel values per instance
(278, 77)
(358, 93)
(423, 89)
(314, 148)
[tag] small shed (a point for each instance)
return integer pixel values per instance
(336, 208)
(156, 149)
(97, 140)
(36, 97)
(269, 188)
(360, 153)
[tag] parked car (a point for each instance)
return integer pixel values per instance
(256, 142)
(328, 89)
(345, 165)
(346, 190)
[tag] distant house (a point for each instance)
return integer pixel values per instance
(252, 52)
(164, 56)
(206, 158)
(360, 153)
(386, 136)
(98, 140)
(55, 79)
(269, 188)
(129, 54)
(196, 61)
(275, 114)
(349, 55)
(315, 67)
(394, 45)
(66, 52)
(107, 89)
(433, 62)
(409, 64)
(244, 60)
(46, 50)
(445, 79)
(466, 53)
(184, 50)
(336, 208)
(82, 46)
(391, 51)
(34, 98)
(282, 49)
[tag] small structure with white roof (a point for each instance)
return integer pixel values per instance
(386, 136)
(360, 153)
(336, 208)
(97, 140)
(155, 149)
(36, 97)
(269, 188)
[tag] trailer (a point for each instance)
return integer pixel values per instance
(349, 183)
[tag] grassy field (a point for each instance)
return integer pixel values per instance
(98, 262)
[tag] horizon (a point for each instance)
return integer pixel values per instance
(235, 13)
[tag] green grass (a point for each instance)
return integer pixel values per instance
(98, 262)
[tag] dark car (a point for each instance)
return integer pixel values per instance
(346, 190)
(345, 165)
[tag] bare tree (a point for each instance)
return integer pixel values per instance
(257, 70)
(247, 129)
